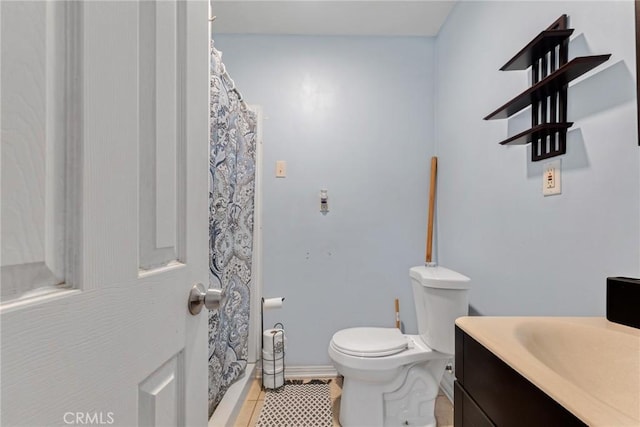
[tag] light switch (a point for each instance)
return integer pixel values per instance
(281, 169)
(551, 180)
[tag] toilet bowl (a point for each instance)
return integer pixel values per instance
(388, 390)
(392, 379)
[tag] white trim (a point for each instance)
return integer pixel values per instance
(315, 371)
(229, 408)
(446, 385)
(256, 273)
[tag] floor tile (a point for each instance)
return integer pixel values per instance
(336, 392)
(254, 390)
(444, 412)
(256, 413)
(244, 417)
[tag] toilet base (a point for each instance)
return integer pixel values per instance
(408, 399)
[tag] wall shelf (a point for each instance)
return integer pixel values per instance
(546, 40)
(553, 82)
(547, 55)
(535, 132)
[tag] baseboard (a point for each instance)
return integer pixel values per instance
(446, 385)
(315, 371)
(228, 409)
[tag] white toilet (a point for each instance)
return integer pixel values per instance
(391, 379)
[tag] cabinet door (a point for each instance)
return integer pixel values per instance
(466, 412)
(505, 396)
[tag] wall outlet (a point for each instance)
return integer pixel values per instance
(551, 178)
(281, 169)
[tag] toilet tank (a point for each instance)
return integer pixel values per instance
(441, 296)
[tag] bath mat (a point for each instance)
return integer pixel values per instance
(300, 403)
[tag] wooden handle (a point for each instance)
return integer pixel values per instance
(432, 200)
(397, 313)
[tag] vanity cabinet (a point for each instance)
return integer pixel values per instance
(488, 392)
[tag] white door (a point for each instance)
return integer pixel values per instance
(104, 212)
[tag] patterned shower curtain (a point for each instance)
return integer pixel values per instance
(232, 150)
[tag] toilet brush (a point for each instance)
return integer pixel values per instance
(432, 200)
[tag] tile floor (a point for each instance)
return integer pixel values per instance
(250, 411)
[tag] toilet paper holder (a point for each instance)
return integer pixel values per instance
(275, 379)
(273, 365)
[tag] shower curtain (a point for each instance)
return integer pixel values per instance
(232, 149)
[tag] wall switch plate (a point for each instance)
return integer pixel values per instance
(281, 169)
(551, 178)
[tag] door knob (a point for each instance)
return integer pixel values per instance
(199, 296)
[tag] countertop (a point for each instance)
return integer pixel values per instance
(587, 364)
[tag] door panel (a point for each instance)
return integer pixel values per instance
(33, 147)
(162, 139)
(161, 395)
(121, 347)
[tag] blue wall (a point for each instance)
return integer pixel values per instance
(356, 116)
(353, 115)
(527, 254)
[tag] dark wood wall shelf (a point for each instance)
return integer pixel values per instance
(547, 54)
(535, 132)
(552, 83)
(546, 40)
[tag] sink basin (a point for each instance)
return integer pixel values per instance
(592, 358)
(587, 364)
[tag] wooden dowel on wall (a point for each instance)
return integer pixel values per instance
(432, 199)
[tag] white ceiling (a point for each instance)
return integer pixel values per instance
(331, 17)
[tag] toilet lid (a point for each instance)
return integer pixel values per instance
(369, 342)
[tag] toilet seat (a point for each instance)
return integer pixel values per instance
(370, 342)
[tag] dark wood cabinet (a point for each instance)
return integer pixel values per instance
(488, 392)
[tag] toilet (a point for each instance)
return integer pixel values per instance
(392, 379)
